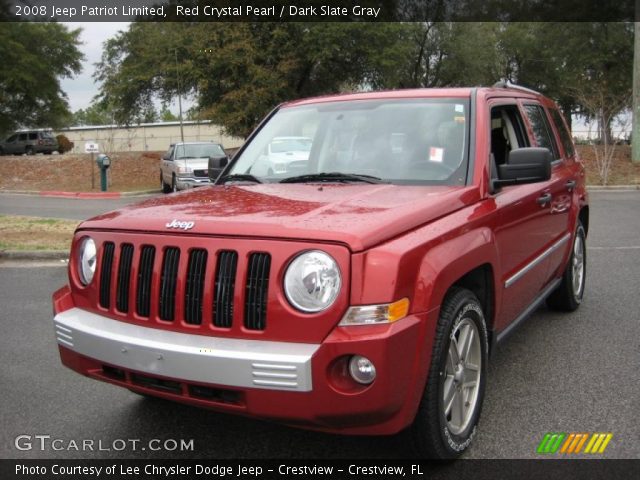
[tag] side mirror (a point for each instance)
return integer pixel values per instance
(525, 165)
(216, 165)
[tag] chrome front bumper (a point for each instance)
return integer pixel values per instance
(197, 358)
(192, 182)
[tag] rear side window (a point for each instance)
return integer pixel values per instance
(565, 136)
(22, 137)
(33, 136)
(541, 128)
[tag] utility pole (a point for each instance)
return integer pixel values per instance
(179, 96)
(635, 137)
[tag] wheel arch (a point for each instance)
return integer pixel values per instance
(583, 216)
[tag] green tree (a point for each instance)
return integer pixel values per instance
(238, 72)
(96, 114)
(167, 115)
(35, 56)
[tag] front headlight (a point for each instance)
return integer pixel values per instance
(87, 260)
(312, 281)
(184, 170)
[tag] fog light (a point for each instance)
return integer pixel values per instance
(362, 369)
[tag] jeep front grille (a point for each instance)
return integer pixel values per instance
(105, 275)
(255, 308)
(168, 283)
(224, 286)
(124, 275)
(152, 283)
(145, 271)
(195, 286)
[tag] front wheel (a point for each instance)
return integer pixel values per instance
(165, 188)
(174, 184)
(568, 296)
(449, 411)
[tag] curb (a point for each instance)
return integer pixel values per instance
(34, 255)
(613, 187)
(80, 195)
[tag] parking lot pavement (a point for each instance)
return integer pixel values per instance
(59, 207)
(558, 373)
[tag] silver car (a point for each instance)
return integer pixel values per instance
(186, 165)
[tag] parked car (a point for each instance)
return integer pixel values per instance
(186, 165)
(29, 142)
(362, 296)
(283, 155)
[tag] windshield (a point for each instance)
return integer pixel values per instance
(199, 150)
(415, 141)
(284, 145)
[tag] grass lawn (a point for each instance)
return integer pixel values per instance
(32, 233)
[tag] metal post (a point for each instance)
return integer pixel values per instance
(179, 95)
(635, 136)
(93, 172)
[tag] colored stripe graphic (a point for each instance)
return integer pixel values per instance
(551, 442)
(572, 443)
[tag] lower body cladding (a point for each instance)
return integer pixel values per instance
(298, 384)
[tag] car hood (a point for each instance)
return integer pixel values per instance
(358, 215)
(194, 163)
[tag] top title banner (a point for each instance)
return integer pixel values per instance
(315, 10)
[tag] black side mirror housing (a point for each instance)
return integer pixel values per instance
(216, 165)
(525, 165)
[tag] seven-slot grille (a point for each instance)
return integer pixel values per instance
(123, 263)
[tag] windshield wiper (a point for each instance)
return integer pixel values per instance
(333, 177)
(237, 177)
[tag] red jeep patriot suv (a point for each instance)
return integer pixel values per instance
(357, 288)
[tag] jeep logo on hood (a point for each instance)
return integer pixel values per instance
(181, 225)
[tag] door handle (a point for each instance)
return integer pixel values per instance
(571, 184)
(544, 199)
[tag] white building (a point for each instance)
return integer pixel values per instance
(147, 136)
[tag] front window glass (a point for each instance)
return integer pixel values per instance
(46, 135)
(415, 141)
(198, 150)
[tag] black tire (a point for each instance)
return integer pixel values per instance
(432, 433)
(165, 188)
(174, 185)
(1, 151)
(568, 296)
(29, 151)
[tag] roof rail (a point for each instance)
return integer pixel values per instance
(508, 84)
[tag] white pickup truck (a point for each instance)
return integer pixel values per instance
(186, 164)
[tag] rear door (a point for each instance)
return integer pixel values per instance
(558, 190)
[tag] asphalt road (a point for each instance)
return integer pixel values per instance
(60, 207)
(558, 373)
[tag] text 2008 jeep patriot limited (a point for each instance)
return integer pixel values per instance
(357, 291)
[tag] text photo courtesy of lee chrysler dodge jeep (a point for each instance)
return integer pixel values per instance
(360, 292)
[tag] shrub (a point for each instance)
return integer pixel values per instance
(64, 144)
